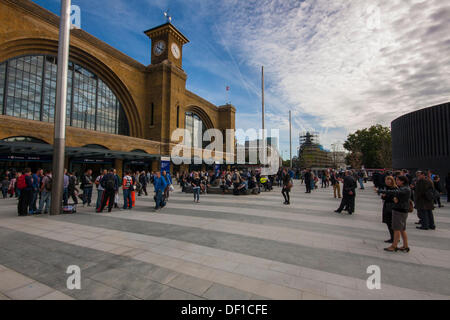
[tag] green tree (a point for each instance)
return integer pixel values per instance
(371, 147)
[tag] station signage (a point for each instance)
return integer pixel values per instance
(25, 158)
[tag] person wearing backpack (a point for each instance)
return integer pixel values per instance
(25, 185)
(87, 185)
(109, 184)
(46, 193)
(72, 188)
(100, 189)
(127, 185)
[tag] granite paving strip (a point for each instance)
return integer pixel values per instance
(357, 233)
(327, 260)
(274, 290)
(344, 244)
(104, 276)
(16, 286)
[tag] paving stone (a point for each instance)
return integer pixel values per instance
(220, 292)
(10, 280)
(175, 294)
(55, 295)
(190, 284)
(30, 291)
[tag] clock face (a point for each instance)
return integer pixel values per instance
(176, 51)
(159, 48)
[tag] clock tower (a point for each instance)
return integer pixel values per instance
(167, 44)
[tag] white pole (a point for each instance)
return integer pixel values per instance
(290, 135)
(60, 110)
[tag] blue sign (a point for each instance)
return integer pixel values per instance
(165, 164)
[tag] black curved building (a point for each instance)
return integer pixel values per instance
(421, 140)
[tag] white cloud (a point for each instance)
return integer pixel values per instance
(348, 64)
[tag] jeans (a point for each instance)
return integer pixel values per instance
(158, 199)
(33, 207)
(127, 202)
(361, 183)
(196, 193)
(66, 196)
(46, 197)
(5, 193)
(427, 218)
(99, 199)
(87, 195)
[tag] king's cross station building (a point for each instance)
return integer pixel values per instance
(120, 113)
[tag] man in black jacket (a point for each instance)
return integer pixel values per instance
(110, 186)
(87, 184)
(308, 180)
(349, 194)
(424, 200)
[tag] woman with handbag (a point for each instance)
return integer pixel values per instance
(287, 186)
(400, 209)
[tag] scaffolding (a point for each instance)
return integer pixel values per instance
(311, 152)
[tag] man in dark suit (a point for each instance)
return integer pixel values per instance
(424, 199)
(308, 180)
(349, 194)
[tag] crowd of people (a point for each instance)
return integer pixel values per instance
(33, 189)
(400, 191)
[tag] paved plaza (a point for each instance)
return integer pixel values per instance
(226, 247)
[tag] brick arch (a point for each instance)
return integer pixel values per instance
(38, 46)
(43, 136)
(202, 114)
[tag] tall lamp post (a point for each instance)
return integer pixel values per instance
(60, 110)
(290, 136)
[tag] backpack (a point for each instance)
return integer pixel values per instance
(21, 182)
(128, 182)
(110, 183)
(48, 184)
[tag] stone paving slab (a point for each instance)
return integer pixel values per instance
(223, 248)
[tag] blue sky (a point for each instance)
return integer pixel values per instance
(338, 65)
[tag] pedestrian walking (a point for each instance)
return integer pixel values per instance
(287, 186)
(160, 185)
(196, 187)
(349, 194)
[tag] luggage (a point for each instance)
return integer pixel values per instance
(69, 209)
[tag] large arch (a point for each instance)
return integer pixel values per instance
(37, 46)
(202, 114)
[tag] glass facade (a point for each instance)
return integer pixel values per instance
(195, 125)
(28, 90)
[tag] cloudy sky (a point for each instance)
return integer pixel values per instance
(339, 65)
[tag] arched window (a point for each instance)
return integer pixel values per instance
(24, 139)
(197, 128)
(95, 146)
(28, 90)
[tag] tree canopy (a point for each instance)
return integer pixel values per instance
(370, 147)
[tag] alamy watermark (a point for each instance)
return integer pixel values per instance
(75, 17)
(74, 280)
(259, 148)
(374, 281)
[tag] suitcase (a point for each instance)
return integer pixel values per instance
(69, 209)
